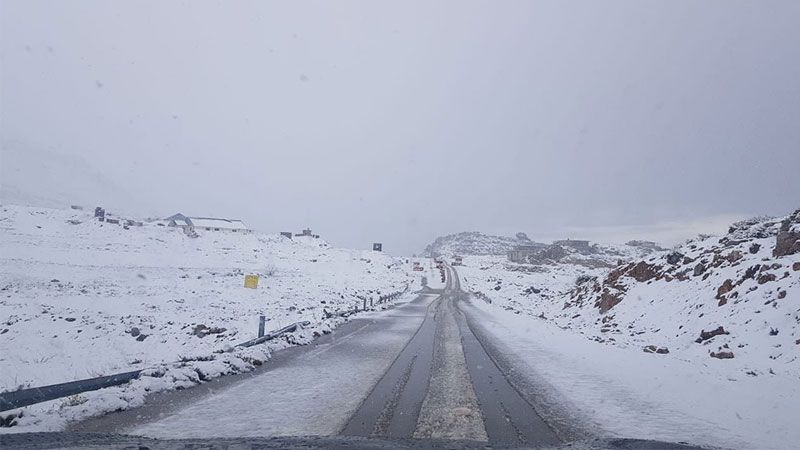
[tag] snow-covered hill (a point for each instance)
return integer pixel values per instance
(475, 243)
(80, 298)
(699, 344)
(746, 282)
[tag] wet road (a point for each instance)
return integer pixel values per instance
(301, 391)
(480, 404)
(417, 371)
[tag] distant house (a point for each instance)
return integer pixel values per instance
(178, 220)
(307, 232)
(207, 224)
(576, 244)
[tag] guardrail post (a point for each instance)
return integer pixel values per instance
(261, 322)
(370, 302)
(365, 302)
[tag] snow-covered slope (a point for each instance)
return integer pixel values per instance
(743, 282)
(80, 298)
(699, 344)
(475, 243)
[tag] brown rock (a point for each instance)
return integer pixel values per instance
(706, 335)
(726, 287)
(654, 349)
(734, 256)
(607, 301)
(674, 258)
(722, 301)
(722, 355)
(787, 241)
(796, 266)
(782, 294)
(617, 273)
(699, 269)
(766, 278)
(643, 271)
(751, 272)
(754, 248)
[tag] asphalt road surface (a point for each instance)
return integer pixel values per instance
(416, 371)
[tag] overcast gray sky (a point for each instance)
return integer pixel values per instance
(400, 121)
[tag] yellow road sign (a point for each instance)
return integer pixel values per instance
(251, 281)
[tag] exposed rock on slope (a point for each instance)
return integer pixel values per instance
(732, 299)
(744, 285)
(788, 238)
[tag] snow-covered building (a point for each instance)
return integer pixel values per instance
(207, 223)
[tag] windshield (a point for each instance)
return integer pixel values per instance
(425, 224)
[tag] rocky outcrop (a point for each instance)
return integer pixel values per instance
(607, 301)
(787, 242)
(654, 349)
(722, 291)
(706, 335)
(701, 259)
(643, 271)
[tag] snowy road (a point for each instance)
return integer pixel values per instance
(414, 371)
(309, 390)
(444, 385)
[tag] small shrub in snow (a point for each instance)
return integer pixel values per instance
(73, 400)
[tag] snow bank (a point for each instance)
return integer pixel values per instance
(625, 392)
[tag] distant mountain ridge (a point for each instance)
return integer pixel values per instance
(473, 243)
(476, 243)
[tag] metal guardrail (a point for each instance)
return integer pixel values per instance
(26, 397)
(381, 299)
(273, 334)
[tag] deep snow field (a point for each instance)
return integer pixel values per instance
(586, 338)
(80, 298)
